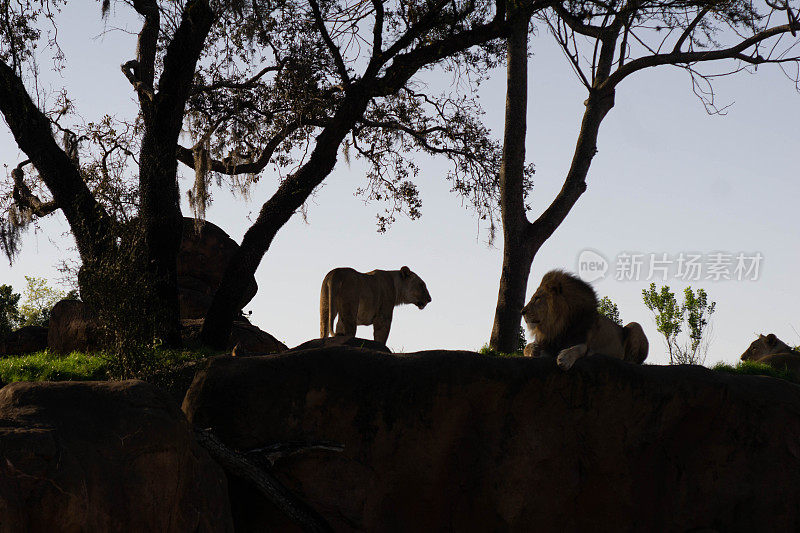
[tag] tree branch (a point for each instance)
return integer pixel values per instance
(237, 465)
(424, 24)
(575, 23)
(247, 84)
(145, 93)
(679, 58)
(406, 65)
(332, 48)
(597, 106)
(24, 197)
(690, 28)
(375, 61)
(89, 221)
(141, 72)
(230, 167)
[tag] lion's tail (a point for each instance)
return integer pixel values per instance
(326, 311)
(635, 342)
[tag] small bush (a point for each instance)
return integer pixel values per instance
(753, 368)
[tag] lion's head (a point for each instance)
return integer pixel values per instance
(412, 289)
(765, 345)
(561, 302)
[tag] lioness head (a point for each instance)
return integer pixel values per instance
(763, 346)
(412, 289)
(560, 301)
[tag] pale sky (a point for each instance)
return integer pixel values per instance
(668, 179)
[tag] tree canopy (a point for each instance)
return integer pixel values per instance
(291, 84)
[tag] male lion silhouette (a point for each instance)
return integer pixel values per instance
(562, 315)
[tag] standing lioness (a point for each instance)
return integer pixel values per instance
(363, 299)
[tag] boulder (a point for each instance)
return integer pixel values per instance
(25, 340)
(72, 328)
(250, 338)
(458, 441)
(202, 260)
(343, 340)
(103, 456)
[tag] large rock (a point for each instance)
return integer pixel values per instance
(202, 260)
(103, 456)
(343, 340)
(250, 338)
(457, 441)
(72, 328)
(25, 340)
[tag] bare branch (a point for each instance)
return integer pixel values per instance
(690, 28)
(678, 58)
(332, 48)
(576, 24)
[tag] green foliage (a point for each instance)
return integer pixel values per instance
(521, 343)
(9, 310)
(609, 309)
(143, 362)
(39, 301)
(521, 340)
(671, 318)
(754, 368)
(668, 314)
(488, 350)
(698, 309)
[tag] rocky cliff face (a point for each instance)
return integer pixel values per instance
(103, 456)
(456, 441)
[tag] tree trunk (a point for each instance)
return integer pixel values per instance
(162, 225)
(273, 215)
(160, 210)
(522, 239)
(517, 250)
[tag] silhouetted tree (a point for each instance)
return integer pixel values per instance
(289, 83)
(606, 43)
(352, 66)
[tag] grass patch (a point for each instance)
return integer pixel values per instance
(79, 366)
(753, 368)
(46, 366)
(487, 350)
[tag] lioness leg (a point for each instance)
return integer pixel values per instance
(380, 330)
(348, 313)
(567, 357)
